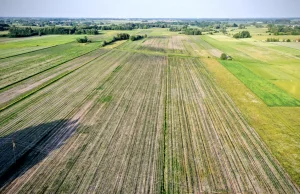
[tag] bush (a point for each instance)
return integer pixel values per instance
(243, 34)
(122, 36)
(137, 37)
(273, 40)
(104, 43)
(288, 40)
(223, 56)
(82, 40)
(132, 38)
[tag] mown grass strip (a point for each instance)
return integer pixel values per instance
(268, 92)
(35, 50)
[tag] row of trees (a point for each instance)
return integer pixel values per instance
(243, 34)
(28, 31)
(277, 40)
(21, 32)
(4, 27)
(186, 30)
(175, 28)
(137, 37)
(124, 36)
(283, 29)
(192, 31)
(132, 26)
(273, 40)
(121, 36)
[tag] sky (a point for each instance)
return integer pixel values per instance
(151, 8)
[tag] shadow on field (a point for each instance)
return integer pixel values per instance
(23, 149)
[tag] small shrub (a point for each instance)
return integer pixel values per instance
(83, 40)
(273, 40)
(223, 56)
(243, 34)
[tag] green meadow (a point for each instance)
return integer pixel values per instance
(277, 71)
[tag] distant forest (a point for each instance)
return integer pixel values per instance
(22, 27)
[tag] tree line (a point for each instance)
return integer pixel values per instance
(185, 30)
(28, 31)
(132, 26)
(4, 27)
(137, 37)
(124, 36)
(121, 36)
(277, 40)
(283, 29)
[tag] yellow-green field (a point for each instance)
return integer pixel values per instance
(278, 126)
(278, 69)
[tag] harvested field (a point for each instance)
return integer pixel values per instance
(156, 44)
(176, 44)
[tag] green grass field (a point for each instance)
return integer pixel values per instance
(22, 45)
(274, 66)
(268, 92)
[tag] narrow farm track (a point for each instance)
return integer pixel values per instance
(132, 122)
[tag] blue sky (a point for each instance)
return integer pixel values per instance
(151, 8)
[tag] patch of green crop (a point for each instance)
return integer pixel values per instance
(268, 92)
(100, 87)
(117, 69)
(104, 99)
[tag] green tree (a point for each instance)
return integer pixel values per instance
(82, 40)
(243, 34)
(132, 38)
(223, 56)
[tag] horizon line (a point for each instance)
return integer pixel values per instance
(63, 17)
